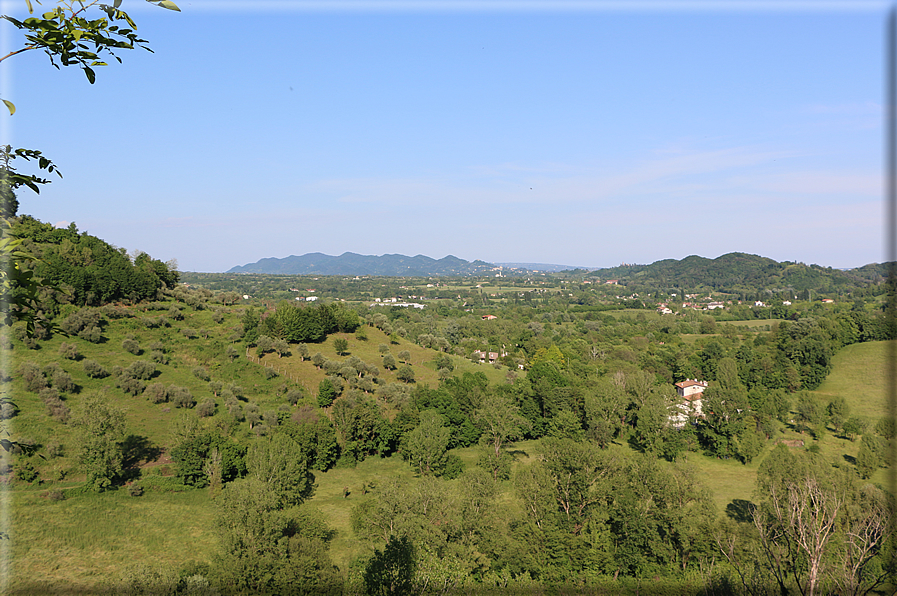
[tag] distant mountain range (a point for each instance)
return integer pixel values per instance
(350, 263)
(730, 271)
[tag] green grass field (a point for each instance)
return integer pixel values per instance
(859, 376)
(91, 539)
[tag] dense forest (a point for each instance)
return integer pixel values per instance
(504, 436)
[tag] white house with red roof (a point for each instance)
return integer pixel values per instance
(691, 392)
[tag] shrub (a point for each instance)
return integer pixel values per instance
(25, 471)
(115, 312)
(129, 345)
(326, 393)
(181, 397)
(93, 334)
(131, 386)
(94, 369)
(886, 428)
(201, 373)
(270, 373)
(60, 412)
(7, 410)
(159, 357)
(32, 376)
(338, 384)
(152, 322)
(264, 344)
(140, 369)
(135, 490)
(206, 408)
(252, 413)
(63, 382)
(85, 323)
(55, 495)
(55, 448)
(157, 393)
(444, 361)
(69, 351)
(281, 347)
(56, 408)
(49, 395)
(293, 396)
(405, 373)
(234, 408)
(51, 369)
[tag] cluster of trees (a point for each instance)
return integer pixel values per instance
(588, 514)
(85, 270)
(300, 324)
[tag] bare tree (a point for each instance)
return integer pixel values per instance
(798, 523)
(864, 534)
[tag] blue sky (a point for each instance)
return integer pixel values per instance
(591, 134)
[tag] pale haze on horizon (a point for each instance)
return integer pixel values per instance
(588, 134)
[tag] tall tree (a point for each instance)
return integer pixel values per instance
(501, 423)
(425, 447)
(280, 462)
(101, 429)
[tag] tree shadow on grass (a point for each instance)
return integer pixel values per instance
(136, 450)
(741, 510)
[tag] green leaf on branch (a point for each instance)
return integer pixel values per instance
(10, 106)
(169, 5)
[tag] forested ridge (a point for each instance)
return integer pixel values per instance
(739, 272)
(84, 270)
(344, 445)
